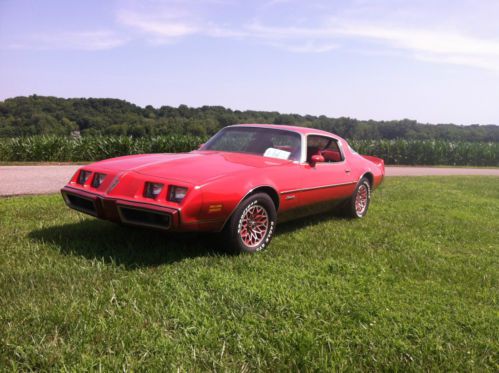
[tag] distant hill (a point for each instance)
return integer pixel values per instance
(39, 115)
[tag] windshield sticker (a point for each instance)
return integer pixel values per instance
(276, 153)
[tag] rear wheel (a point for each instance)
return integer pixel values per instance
(358, 204)
(252, 225)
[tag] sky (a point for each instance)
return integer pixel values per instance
(435, 61)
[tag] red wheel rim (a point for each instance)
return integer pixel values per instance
(361, 199)
(254, 225)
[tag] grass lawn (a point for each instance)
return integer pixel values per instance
(413, 286)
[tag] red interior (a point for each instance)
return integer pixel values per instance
(331, 155)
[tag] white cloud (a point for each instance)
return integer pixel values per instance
(478, 62)
(261, 31)
(432, 45)
(83, 40)
(385, 27)
(159, 26)
(272, 3)
(307, 47)
(433, 41)
(164, 27)
(439, 46)
(171, 25)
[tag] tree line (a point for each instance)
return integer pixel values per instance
(43, 115)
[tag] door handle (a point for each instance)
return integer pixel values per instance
(348, 171)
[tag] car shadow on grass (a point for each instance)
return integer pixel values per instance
(309, 220)
(127, 246)
(134, 247)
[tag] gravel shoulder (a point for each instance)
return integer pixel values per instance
(44, 179)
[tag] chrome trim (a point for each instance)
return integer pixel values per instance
(319, 187)
(303, 158)
(338, 141)
(205, 221)
(340, 146)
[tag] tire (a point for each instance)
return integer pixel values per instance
(251, 226)
(358, 204)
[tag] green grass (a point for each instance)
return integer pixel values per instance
(413, 286)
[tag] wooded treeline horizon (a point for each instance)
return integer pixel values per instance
(47, 115)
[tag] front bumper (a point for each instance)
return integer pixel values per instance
(122, 211)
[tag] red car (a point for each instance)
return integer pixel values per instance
(240, 183)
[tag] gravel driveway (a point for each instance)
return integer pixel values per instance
(15, 180)
(18, 180)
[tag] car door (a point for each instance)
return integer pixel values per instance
(324, 184)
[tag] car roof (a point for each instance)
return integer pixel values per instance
(302, 130)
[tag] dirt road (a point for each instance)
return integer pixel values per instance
(19, 180)
(438, 171)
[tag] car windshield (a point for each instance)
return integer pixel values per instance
(267, 142)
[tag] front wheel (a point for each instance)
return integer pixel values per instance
(358, 204)
(252, 224)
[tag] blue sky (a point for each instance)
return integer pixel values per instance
(433, 61)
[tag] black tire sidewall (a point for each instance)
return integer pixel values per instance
(234, 239)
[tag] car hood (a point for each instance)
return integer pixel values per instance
(195, 167)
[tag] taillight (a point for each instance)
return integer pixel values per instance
(83, 176)
(152, 190)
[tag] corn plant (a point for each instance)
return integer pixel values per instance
(84, 149)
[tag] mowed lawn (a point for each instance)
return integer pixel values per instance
(413, 286)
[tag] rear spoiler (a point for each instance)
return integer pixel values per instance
(377, 161)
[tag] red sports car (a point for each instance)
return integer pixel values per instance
(240, 183)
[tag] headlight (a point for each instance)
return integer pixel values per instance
(98, 179)
(83, 176)
(177, 194)
(152, 190)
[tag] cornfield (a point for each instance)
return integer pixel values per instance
(404, 152)
(430, 152)
(65, 149)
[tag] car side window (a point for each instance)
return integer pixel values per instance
(325, 146)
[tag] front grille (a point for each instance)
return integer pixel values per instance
(144, 217)
(81, 204)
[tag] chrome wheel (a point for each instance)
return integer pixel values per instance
(361, 199)
(253, 225)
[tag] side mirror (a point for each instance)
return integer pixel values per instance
(200, 146)
(317, 159)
